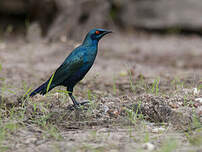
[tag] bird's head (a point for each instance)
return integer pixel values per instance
(96, 34)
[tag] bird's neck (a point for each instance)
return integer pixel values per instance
(90, 42)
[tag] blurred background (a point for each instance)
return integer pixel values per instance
(155, 38)
(55, 19)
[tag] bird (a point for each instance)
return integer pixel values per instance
(75, 66)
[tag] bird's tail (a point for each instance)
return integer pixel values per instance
(41, 90)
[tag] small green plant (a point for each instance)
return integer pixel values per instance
(185, 100)
(131, 81)
(130, 131)
(0, 67)
(53, 132)
(155, 86)
(146, 137)
(130, 114)
(64, 92)
(12, 113)
(2, 132)
(177, 84)
(56, 147)
(10, 127)
(6, 129)
(133, 114)
(35, 107)
(27, 92)
(194, 138)
(90, 96)
(114, 86)
(93, 134)
(196, 121)
(3, 148)
(169, 146)
(199, 87)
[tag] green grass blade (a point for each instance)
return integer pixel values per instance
(50, 81)
(26, 93)
(63, 91)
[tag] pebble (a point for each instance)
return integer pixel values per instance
(106, 108)
(149, 146)
(56, 95)
(196, 91)
(30, 140)
(157, 130)
(199, 100)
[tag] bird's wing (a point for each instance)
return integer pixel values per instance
(71, 64)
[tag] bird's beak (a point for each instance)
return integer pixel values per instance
(104, 33)
(107, 32)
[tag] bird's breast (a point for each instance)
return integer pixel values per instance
(90, 55)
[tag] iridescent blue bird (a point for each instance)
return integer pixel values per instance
(75, 66)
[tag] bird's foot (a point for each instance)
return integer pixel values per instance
(78, 104)
(84, 105)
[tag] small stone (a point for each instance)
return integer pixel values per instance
(149, 146)
(106, 108)
(200, 113)
(157, 130)
(39, 97)
(56, 95)
(123, 73)
(196, 105)
(30, 140)
(116, 113)
(180, 103)
(199, 100)
(196, 91)
(103, 130)
(174, 105)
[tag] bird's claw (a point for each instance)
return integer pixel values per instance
(78, 104)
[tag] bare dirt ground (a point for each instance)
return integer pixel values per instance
(144, 91)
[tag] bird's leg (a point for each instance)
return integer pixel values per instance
(74, 100)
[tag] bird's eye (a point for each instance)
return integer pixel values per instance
(97, 32)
